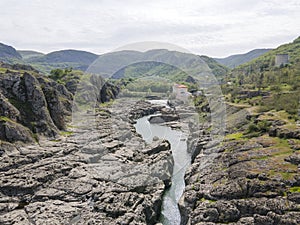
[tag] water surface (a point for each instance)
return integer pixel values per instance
(177, 139)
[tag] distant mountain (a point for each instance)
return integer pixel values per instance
(9, 54)
(236, 60)
(217, 68)
(27, 54)
(159, 62)
(76, 59)
(72, 56)
(267, 60)
(106, 63)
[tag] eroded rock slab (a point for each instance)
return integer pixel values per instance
(107, 175)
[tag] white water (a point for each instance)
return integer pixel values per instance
(177, 139)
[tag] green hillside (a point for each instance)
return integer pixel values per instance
(27, 54)
(267, 61)
(239, 59)
(79, 60)
(261, 83)
(159, 62)
(217, 69)
(9, 54)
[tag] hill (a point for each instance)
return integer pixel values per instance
(72, 56)
(236, 60)
(27, 54)
(9, 54)
(260, 82)
(217, 68)
(172, 65)
(267, 61)
(76, 59)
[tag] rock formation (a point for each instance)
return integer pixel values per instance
(251, 180)
(106, 175)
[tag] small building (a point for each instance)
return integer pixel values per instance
(281, 59)
(181, 92)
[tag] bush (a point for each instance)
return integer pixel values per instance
(252, 128)
(261, 127)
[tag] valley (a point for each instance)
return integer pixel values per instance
(72, 152)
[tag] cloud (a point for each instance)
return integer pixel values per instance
(215, 28)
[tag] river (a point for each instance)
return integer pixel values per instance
(170, 212)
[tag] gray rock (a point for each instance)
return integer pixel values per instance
(89, 177)
(163, 118)
(7, 109)
(11, 131)
(156, 147)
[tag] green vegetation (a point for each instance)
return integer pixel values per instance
(295, 189)
(217, 69)
(149, 85)
(30, 54)
(261, 83)
(234, 136)
(58, 74)
(69, 76)
(151, 69)
(106, 104)
(79, 60)
(260, 127)
(239, 59)
(208, 200)
(3, 118)
(287, 175)
(66, 133)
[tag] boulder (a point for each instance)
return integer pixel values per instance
(163, 118)
(7, 109)
(11, 131)
(157, 147)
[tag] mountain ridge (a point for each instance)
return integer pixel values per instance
(233, 61)
(8, 53)
(27, 54)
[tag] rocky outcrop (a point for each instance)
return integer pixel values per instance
(284, 132)
(8, 110)
(163, 118)
(58, 100)
(157, 147)
(32, 101)
(35, 100)
(102, 175)
(17, 67)
(43, 105)
(144, 109)
(12, 132)
(243, 180)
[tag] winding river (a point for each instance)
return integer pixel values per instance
(170, 211)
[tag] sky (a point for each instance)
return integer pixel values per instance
(216, 28)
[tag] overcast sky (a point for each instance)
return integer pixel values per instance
(216, 28)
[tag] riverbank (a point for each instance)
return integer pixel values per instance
(102, 175)
(251, 178)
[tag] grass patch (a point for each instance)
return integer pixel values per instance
(66, 133)
(265, 157)
(6, 119)
(287, 176)
(106, 104)
(294, 189)
(234, 136)
(207, 200)
(282, 143)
